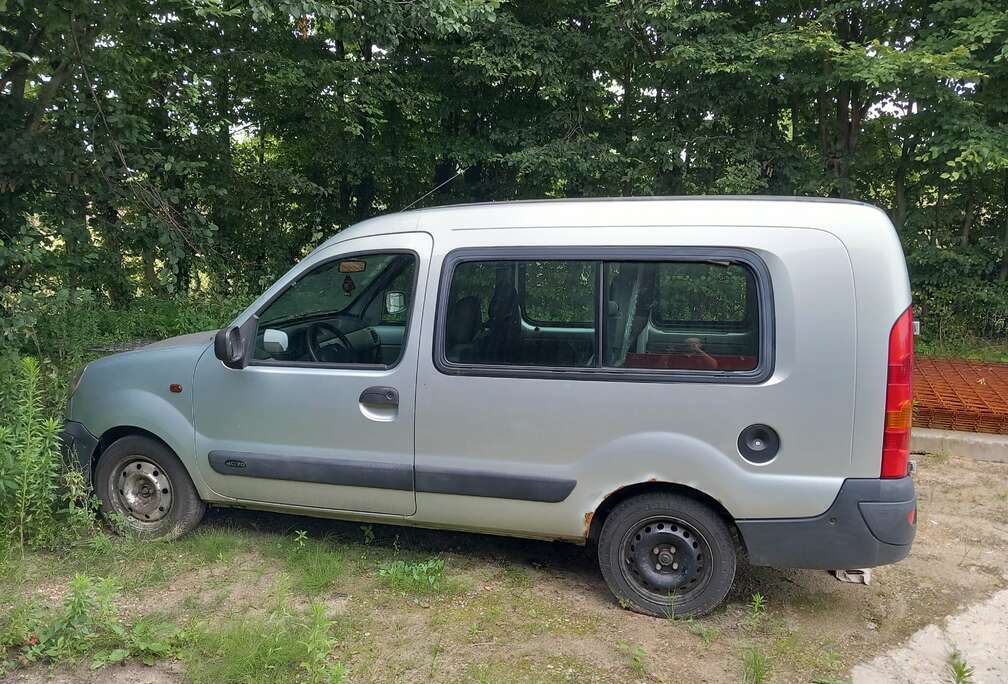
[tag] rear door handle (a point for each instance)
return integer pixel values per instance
(380, 396)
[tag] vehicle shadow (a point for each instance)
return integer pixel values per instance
(487, 547)
(565, 561)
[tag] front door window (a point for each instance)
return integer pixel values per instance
(347, 311)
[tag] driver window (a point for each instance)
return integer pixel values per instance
(333, 313)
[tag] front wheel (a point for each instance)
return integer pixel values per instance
(140, 481)
(667, 555)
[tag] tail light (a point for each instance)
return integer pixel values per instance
(899, 399)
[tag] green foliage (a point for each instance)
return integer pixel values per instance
(30, 466)
(86, 624)
(420, 577)
(282, 646)
(163, 150)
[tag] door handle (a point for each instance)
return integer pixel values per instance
(380, 396)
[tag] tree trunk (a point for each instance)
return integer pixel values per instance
(971, 209)
(1003, 275)
(150, 273)
(119, 287)
(907, 150)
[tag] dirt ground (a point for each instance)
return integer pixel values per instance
(535, 611)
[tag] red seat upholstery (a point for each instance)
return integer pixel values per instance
(688, 361)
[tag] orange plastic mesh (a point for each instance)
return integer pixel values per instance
(957, 394)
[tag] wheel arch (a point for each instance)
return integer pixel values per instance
(597, 518)
(114, 434)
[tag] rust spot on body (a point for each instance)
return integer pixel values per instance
(587, 523)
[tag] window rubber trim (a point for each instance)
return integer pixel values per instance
(270, 363)
(747, 257)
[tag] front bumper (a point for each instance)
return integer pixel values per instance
(871, 522)
(77, 445)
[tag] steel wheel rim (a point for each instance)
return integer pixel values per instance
(666, 560)
(141, 490)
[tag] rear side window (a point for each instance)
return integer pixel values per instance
(558, 293)
(611, 315)
(681, 316)
(522, 313)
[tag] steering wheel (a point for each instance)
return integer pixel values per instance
(341, 346)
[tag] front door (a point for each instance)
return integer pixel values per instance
(322, 416)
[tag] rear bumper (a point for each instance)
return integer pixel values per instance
(871, 522)
(77, 445)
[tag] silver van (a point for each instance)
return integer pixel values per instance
(681, 382)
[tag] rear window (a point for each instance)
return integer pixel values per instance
(672, 315)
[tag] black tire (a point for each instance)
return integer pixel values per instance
(641, 533)
(141, 481)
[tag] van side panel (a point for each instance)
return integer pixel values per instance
(605, 435)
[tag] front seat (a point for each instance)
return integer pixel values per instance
(461, 326)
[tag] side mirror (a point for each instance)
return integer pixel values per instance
(395, 302)
(274, 341)
(231, 343)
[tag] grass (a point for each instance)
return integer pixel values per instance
(964, 348)
(635, 658)
(262, 597)
(532, 670)
(314, 566)
(707, 633)
(280, 647)
(754, 666)
(214, 544)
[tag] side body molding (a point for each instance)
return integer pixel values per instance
(392, 476)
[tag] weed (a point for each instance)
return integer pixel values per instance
(757, 607)
(83, 623)
(635, 656)
(422, 577)
(708, 633)
(148, 640)
(754, 666)
(937, 457)
(30, 466)
(86, 624)
(300, 538)
(960, 671)
(368, 532)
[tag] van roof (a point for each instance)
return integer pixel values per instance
(755, 210)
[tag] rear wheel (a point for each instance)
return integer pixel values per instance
(667, 555)
(141, 482)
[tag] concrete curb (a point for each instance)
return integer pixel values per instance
(980, 446)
